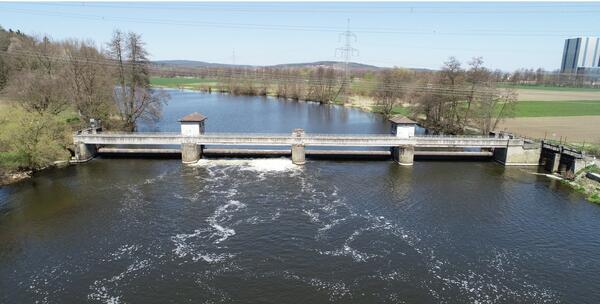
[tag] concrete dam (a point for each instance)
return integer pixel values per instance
(402, 145)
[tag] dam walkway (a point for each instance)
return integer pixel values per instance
(402, 150)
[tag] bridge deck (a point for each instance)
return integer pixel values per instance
(333, 140)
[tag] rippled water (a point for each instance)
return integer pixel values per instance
(266, 231)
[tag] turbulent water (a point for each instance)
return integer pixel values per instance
(267, 231)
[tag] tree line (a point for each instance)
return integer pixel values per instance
(50, 88)
(454, 99)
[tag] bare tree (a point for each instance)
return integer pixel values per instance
(90, 84)
(389, 90)
(36, 79)
(134, 98)
(477, 75)
(323, 85)
(494, 105)
(452, 77)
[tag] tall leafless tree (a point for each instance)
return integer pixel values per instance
(134, 97)
(37, 76)
(89, 80)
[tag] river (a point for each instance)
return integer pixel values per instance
(266, 231)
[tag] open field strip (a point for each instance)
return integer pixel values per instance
(176, 82)
(573, 128)
(548, 88)
(558, 95)
(546, 108)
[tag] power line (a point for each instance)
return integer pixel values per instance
(407, 9)
(346, 52)
(306, 28)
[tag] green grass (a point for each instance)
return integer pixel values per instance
(547, 88)
(557, 108)
(178, 81)
(400, 110)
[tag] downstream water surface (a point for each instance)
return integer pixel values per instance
(266, 231)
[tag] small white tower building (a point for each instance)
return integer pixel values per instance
(403, 127)
(192, 124)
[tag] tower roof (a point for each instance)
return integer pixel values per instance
(400, 119)
(194, 117)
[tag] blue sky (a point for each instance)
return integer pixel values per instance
(405, 34)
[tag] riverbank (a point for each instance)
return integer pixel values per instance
(7, 178)
(363, 103)
(30, 142)
(584, 184)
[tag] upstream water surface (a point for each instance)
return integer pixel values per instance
(266, 231)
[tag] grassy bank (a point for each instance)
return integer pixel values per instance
(586, 186)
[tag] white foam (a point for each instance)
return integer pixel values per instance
(335, 289)
(257, 165)
(222, 233)
(212, 257)
(101, 294)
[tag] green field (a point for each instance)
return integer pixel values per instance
(543, 108)
(173, 82)
(547, 88)
(401, 110)
(557, 108)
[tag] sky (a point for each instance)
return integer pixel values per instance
(508, 36)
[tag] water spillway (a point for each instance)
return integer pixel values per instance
(298, 140)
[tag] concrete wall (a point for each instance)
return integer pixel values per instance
(517, 156)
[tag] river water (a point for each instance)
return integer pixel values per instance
(266, 231)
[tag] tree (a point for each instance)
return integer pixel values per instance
(4, 43)
(452, 70)
(452, 74)
(389, 90)
(323, 85)
(476, 76)
(90, 84)
(37, 77)
(493, 106)
(134, 97)
(31, 140)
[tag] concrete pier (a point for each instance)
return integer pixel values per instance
(404, 155)
(190, 152)
(84, 152)
(298, 151)
(298, 155)
(555, 162)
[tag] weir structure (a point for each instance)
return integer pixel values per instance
(560, 159)
(402, 144)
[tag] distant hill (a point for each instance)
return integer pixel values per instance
(338, 64)
(197, 64)
(203, 64)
